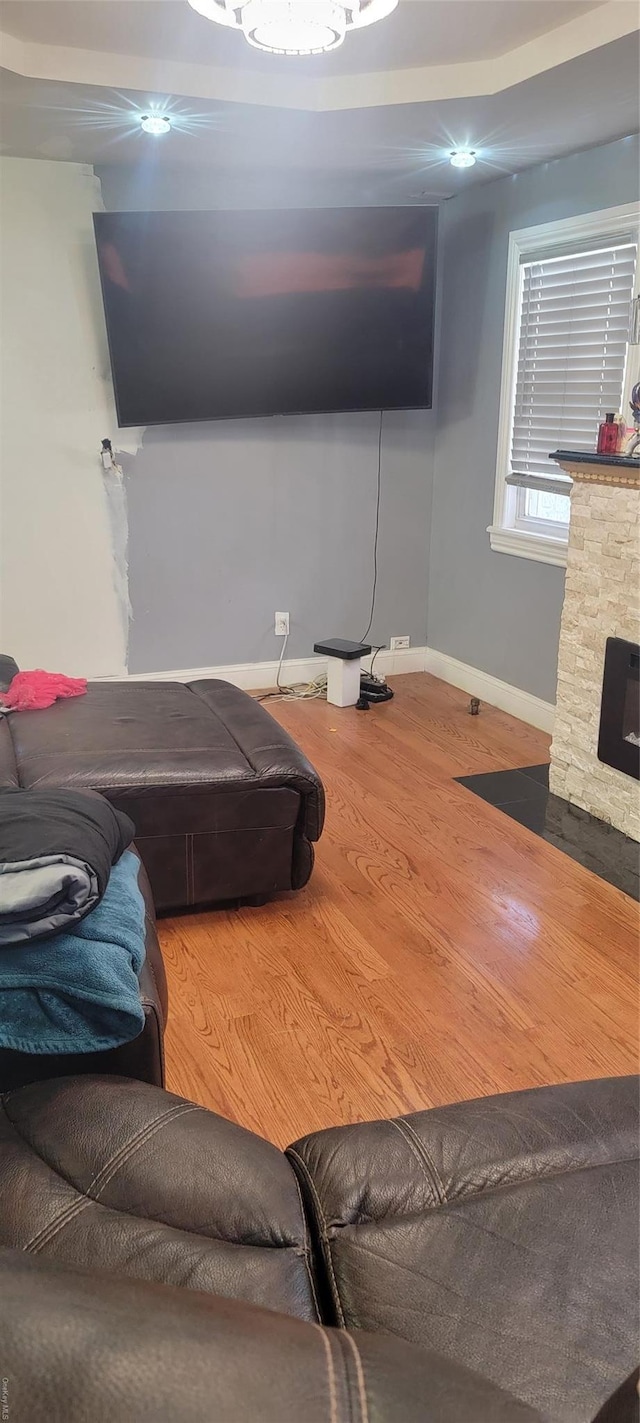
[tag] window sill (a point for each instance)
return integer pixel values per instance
(538, 547)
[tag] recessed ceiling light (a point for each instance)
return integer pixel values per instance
(155, 123)
(462, 158)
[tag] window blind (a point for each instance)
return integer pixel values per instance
(574, 328)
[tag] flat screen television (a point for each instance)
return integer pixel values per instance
(220, 315)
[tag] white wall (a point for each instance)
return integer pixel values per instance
(62, 594)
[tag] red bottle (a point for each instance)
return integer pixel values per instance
(608, 436)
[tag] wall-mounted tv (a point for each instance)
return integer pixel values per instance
(220, 315)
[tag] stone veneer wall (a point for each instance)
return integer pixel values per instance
(602, 599)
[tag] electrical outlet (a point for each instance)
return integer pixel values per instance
(282, 624)
(398, 642)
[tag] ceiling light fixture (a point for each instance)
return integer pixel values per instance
(155, 123)
(462, 158)
(295, 26)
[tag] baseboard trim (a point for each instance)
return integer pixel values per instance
(256, 676)
(513, 700)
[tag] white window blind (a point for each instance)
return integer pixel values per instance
(574, 329)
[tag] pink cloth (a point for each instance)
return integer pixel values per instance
(32, 691)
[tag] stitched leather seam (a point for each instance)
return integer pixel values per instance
(139, 786)
(126, 750)
(269, 780)
(108, 1171)
(455, 1201)
(219, 718)
(85, 1201)
(297, 781)
(307, 1248)
(347, 1393)
(434, 1185)
(331, 1376)
(179, 1230)
(362, 1392)
(325, 1234)
(48, 1233)
(428, 1160)
(237, 830)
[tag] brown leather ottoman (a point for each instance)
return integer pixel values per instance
(142, 1058)
(224, 803)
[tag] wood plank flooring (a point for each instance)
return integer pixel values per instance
(441, 950)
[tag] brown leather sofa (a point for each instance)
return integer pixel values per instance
(143, 1058)
(472, 1264)
(225, 805)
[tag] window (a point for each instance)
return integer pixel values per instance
(566, 362)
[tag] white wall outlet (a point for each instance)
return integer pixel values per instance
(282, 624)
(398, 642)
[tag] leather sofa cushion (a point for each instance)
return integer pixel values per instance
(137, 736)
(125, 1178)
(77, 1348)
(502, 1232)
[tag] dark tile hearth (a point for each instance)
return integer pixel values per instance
(524, 796)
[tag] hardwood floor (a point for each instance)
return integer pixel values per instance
(441, 950)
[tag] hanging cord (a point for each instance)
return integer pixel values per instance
(300, 691)
(281, 660)
(375, 541)
(381, 648)
(305, 691)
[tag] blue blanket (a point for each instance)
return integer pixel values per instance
(78, 991)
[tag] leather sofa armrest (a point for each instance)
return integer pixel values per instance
(152, 1186)
(499, 1231)
(427, 1160)
(268, 748)
(77, 1346)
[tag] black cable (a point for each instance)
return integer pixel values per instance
(375, 541)
(266, 696)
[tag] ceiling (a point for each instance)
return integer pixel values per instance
(419, 33)
(427, 49)
(518, 80)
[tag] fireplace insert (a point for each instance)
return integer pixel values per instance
(619, 739)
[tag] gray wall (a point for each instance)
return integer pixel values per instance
(229, 522)
(492, 610)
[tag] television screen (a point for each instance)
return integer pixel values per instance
(218, 315)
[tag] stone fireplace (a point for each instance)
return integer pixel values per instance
(595, 756)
